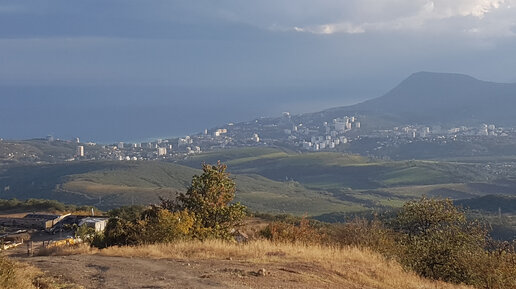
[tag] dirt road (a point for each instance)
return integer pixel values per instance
(118, 272)
(95, 272)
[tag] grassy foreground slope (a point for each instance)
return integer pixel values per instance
(258, 264)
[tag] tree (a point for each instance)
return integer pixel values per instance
(204, 211)
(128, 213)
(437, 240)
(163, 226)
(209, 200)
(120, 232)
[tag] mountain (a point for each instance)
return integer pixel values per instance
(441, 98)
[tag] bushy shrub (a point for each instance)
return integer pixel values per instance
(433, 238)
(121, 232)
(437, 240)
(85, 233)
(495, 268)
(294, 232)
(161, 226)
(365, 233)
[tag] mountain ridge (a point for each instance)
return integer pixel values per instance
(441, 98)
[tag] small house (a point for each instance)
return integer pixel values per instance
(97, 223)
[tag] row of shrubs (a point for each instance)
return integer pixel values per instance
(430, 237)
(39, 205)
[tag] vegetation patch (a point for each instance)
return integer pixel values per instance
(16, 275)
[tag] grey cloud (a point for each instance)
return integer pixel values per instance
(243, 42)
(420, 15)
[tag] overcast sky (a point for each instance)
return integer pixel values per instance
(346, 50)
(266, 42)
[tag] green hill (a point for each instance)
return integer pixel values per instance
(268, 180)
(358, 180)
(111, 184)
(490, 203)
(38, 150)
(327, 170)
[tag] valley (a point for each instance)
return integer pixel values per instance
(272, 180)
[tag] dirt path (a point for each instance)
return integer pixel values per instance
(96, 272)
(117, 272)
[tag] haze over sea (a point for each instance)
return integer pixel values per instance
(130, 70)
(108, 114)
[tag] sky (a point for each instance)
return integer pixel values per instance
(131, 69)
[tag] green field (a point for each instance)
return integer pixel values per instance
(268, 180)
(327, 170)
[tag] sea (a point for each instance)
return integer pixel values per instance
(110, 114)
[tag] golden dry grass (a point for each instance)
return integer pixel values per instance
(349, 267)
(25, 276)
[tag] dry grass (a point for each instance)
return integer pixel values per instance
(17, 275)
(348, 267)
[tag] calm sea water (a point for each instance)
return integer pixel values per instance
(111, 114)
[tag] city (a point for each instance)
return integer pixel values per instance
(347, 134)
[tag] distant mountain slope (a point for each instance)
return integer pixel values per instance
(35, 150)
(490, 203)
(441, 98)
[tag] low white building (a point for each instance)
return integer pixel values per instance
(98, 223)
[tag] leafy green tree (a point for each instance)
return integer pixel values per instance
(438, 242)
(209, 200)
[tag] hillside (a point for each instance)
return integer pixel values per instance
(103, 183)
(35, 150)
(490, 204)
(331, 169)
(111, 184)
(268, 180)
(358, 179)
(439, 98)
